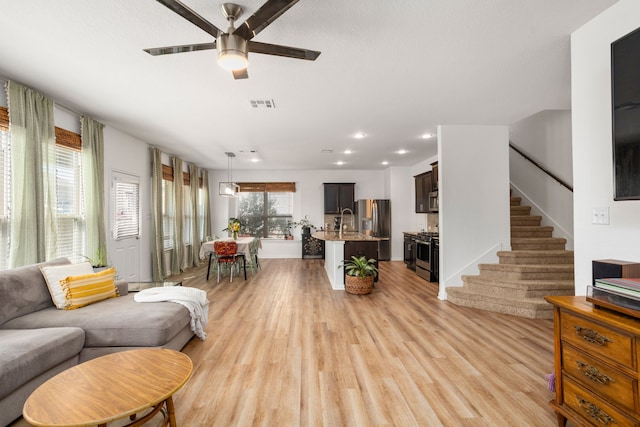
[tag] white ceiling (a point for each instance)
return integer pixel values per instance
(391, 69)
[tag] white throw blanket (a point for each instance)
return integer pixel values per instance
(194, 299)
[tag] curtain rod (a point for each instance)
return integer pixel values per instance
(57, 104)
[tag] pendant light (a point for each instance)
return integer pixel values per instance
(228, 188)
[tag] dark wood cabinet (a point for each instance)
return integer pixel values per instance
(410, 250)
(434, 176)
(358, 248)
(338, 196)
(423, 188)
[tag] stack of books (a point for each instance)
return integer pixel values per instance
(624, 286)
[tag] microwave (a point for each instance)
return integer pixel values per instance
(433, 201)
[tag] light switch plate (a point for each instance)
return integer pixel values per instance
(600, 216)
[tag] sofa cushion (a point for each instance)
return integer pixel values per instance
(23, 290)
(86, 289)
(53, 274)
(114, 322)
(27, 353)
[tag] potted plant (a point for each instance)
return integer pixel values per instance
(99, 262)
(360, 273)
(233, 228)
(304, 224)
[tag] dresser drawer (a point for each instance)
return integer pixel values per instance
(599, 377)
(592, 408)
(596, 338)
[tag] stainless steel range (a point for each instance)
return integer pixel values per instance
(427, 249)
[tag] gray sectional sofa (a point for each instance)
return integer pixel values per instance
(37, 340)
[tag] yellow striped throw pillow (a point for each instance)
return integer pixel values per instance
(89, 288)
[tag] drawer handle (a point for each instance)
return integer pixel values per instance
(592, 336)
(594, 374)
(595, 412)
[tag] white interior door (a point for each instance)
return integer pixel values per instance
(125, 225)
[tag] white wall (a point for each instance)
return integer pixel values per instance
(124, 153)
(399, 188)
(473, 167)
(592, 145)
(546, 137)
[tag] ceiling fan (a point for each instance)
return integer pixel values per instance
(234, 45)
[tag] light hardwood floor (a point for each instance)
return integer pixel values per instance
(283, 349)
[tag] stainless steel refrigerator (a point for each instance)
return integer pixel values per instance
(374, 219)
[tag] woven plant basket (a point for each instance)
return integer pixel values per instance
(358, 285)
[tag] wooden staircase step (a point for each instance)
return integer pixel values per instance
(526, 271)
(536, 257)
(538, 243)
(515, 201)
(525, 220)
(531, 231)
(532, 308)
(520, 210)
(519, 288)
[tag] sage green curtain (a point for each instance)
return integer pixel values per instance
(93, 180)
(158, 266)
(195, 215)
(206, 217)
(33, 177)
(177, 255)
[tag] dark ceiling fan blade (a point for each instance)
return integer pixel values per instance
(240, 74)
(191, 16)
(167, 50)
(286, 51)
(268, 12)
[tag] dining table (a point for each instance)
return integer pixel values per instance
(244, 247)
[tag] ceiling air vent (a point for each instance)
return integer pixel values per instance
(263, 103)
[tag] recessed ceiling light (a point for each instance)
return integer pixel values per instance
(402, 151)
(255, 160)
(347, 151)
(340, 163)
(427, 135)
(359, 135)
(385, 163)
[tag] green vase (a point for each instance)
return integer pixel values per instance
(235, 235)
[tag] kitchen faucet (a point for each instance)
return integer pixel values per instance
(342, 217)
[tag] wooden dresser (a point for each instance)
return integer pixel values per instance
(596, 364)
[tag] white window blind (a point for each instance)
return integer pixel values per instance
(126, 203)
(188, 216)
(69, 204)
(168, 210)
(5, 198)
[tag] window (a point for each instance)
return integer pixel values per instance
(5, 196)
(69, 204)
(168, 211)
(126, 203)
(186, 236)
(266, 213)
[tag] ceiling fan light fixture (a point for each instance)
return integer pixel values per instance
(232, 52)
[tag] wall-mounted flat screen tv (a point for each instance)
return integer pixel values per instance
(625, 94)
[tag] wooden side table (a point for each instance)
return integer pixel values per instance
(111, 387)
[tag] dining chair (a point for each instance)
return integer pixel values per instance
(253, 261)
(226, 253)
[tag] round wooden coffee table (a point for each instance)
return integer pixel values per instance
(111, 387)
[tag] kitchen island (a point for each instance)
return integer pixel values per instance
(341, 246)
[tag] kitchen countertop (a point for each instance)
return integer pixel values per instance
(413, 233)
(349, 236)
